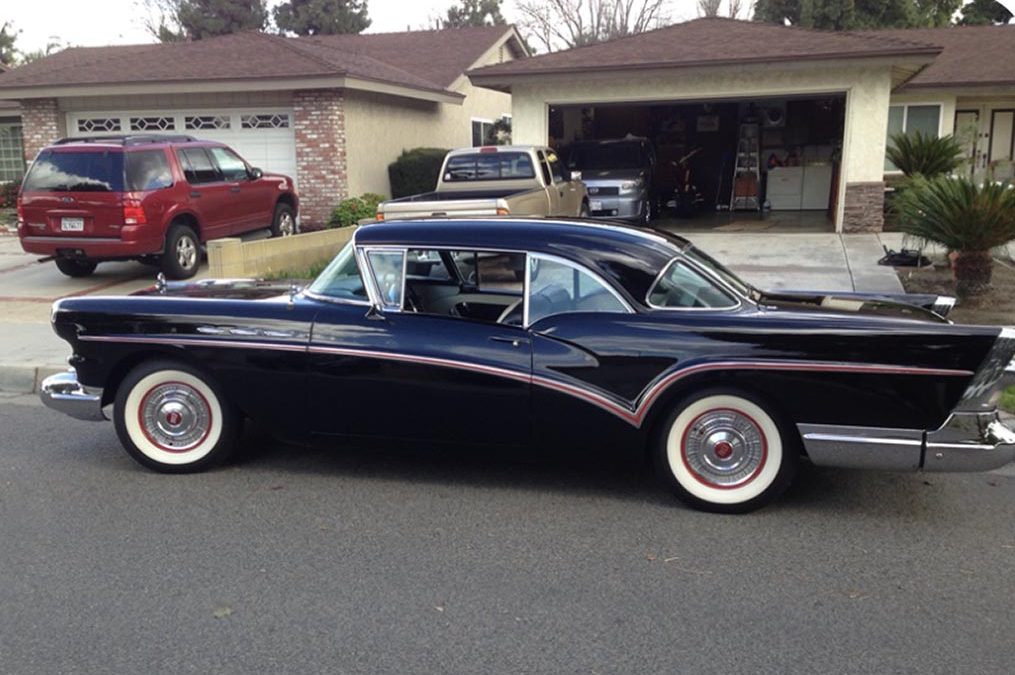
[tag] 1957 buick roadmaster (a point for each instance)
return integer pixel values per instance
(558, 332)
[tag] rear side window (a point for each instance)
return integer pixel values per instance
(489, 166)
(71, 171)
(198, 167)
(148, 170)
(681, 287)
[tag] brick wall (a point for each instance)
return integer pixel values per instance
(864, 207)
(42, 123)
(319, 124)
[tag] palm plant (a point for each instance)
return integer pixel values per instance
(967, 217)
(923, 154)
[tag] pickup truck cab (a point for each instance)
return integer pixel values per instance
(515, 180)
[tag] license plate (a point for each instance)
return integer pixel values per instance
(595, 205)
(72, 224)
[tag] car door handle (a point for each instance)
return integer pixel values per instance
(235, 188)
(194, 194)
(513, 341)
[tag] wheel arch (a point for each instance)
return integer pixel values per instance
(130, 361)
(189, 219)
(289, 199)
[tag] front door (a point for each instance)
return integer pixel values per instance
(423, 367)
(1002, 145)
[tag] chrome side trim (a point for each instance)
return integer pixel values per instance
(863, 447)
(969, 442)
(63, 392)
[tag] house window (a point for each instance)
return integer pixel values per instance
(481, 131)
(12, 152)
(910, 119)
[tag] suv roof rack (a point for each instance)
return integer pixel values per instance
(129, 139)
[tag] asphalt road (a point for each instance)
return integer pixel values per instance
(292, 560)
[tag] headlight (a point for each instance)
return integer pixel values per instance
(631, 186)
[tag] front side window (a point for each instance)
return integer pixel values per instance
(388, 269)
(76, 171)
(341, 279)
(198, 167)
(682, 287)
(556, 287)
(148, 170)
(232, 167)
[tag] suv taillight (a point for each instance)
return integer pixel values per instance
(133, 212)
(21, 210)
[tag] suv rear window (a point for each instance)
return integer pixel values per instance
(148, 170)
(73, 171)
(489, 166)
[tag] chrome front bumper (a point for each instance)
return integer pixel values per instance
(63, 392)
(966, 442)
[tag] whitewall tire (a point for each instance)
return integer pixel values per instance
(722, 451)
(171, 418)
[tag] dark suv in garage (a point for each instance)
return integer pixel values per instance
(149, 198)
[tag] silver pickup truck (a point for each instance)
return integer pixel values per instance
(515, 180)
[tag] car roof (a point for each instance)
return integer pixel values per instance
(631, 256)
(130, 142)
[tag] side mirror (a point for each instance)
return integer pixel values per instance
(576, 175)
(254, 173)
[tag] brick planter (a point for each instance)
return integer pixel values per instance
(864, 207)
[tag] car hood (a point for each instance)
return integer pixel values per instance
(607, 176)
(233, 289)
(931, 308)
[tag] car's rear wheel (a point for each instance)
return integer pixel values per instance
(182, 255)
(173, 419)
(284, 222)
(75, 268)
(724, 451)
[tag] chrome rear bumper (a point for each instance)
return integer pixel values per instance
(63, 392)
(966, 442)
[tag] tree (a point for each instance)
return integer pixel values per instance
(857, 14)
(560, 24)
(322, 17)
(160, 19)
(937, 13)
(54, 44)
(985, 12)
(202, 19)
(709, 8)
(473, 13)
(8, 36)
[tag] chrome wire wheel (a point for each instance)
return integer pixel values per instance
(725, 452)
(186, 252)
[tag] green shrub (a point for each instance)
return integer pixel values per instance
(415, 171)
(354, 209)
(924, 154)
(9, 194)
(1008, 400)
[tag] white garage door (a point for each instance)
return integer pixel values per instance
(263, 136)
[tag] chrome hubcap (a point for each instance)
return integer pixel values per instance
(175, 417)
(724, 448)
(287, 225)
(186, 252)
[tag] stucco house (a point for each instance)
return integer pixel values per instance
(823, 104)
(332, 111)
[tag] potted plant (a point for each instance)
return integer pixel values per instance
(968, 218)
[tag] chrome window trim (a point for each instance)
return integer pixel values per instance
(628, 309)
(707, 275)
(334, 300)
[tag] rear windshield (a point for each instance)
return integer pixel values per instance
(148, 170)
(65, 171)
(489, 166)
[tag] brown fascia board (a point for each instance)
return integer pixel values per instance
(830, 56)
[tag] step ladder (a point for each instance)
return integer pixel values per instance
(746, 193)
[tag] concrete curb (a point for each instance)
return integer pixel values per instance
(25, 378)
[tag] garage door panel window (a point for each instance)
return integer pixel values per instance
(264, 121)
(232, 167)
(91, 125)
(152, 124)
(198, 167)
(910, 119)
(204, 122)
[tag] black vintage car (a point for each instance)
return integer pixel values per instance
(553, 332)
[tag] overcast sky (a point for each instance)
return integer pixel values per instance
(77, 22)
(121, 21)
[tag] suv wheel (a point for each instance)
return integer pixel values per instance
(284, 222)
(183, 253)
(75, 268)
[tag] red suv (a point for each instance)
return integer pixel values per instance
(148, 198)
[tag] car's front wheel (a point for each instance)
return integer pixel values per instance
(182, 255)
(75, 268)
(284, 222)
(723, 451)
(172, 418)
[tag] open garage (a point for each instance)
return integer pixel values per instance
(790, 117)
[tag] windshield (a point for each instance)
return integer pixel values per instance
(69, 171)
(606, 156)
(721, 271)
(341, 278)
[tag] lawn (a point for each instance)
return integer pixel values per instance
(996, 307)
